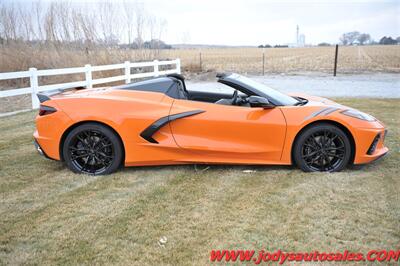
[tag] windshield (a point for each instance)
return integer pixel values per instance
(268, 92)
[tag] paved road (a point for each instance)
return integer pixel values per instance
(373, 85)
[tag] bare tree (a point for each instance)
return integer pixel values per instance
(354, 37)
(85, 27)
(76, 26)
(129, 12)
(50, 23)
(162, 25)
(109, 22)
(2, 25)
(364, 38)
(140, 20)
(26, 23)
(39, 20)
(152, 23)
(349, 37)
(63, 17)
(65, 22)
(8, 22)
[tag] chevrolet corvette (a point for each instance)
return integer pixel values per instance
(160, 122)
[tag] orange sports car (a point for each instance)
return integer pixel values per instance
(160, 122)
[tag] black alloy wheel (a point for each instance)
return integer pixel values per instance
(322, 148)
(92, 149)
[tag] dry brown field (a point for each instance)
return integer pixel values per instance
(351, 59)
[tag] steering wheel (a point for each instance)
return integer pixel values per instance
(235, 98)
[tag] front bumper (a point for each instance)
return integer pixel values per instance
(381, 156)
(364, 139)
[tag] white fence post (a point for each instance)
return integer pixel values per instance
(178, 66)
(127, 72)
(88, 76)
(35, 87)
(156, 68)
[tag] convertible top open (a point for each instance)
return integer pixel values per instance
(160, 122)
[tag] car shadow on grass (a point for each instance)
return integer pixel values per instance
(204, 168)
(198, 168)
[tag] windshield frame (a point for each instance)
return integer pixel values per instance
(254, 88)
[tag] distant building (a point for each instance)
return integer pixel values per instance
(300, 39)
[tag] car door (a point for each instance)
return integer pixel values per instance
(224, 133)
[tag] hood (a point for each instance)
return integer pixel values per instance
(315, 99)
(327, 106)
(320, 101)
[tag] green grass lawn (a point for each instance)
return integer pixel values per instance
(49, 215)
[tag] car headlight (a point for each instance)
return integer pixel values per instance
(359, 115)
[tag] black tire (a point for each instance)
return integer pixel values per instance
(322, 148)
(93, 149)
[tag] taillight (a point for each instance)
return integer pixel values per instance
(46, 110)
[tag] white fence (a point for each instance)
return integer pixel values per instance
(33, 74)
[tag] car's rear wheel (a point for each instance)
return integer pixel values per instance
(93, 149)
(322, 148)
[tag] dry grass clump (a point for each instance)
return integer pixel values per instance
(20, 57)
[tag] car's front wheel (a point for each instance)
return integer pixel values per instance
(93, 149)
(323, 147)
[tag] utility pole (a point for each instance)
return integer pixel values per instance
(263, 69)
(201, 64)
(336, 56)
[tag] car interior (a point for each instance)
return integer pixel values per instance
(236, 98)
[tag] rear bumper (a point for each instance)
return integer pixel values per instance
(48, 133)
(40, 150)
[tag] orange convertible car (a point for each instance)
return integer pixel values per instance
(160, 122)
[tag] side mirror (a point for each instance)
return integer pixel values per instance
(257, 101)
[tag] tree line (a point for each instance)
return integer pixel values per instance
(102, 23)
(358, 38)
(351, 38)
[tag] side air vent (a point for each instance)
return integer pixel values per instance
(148, 133)
(374, 144)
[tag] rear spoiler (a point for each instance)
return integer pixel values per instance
(45, 96)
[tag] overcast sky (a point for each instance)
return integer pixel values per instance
(253, 22)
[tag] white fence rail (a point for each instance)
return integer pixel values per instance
(33, 74)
